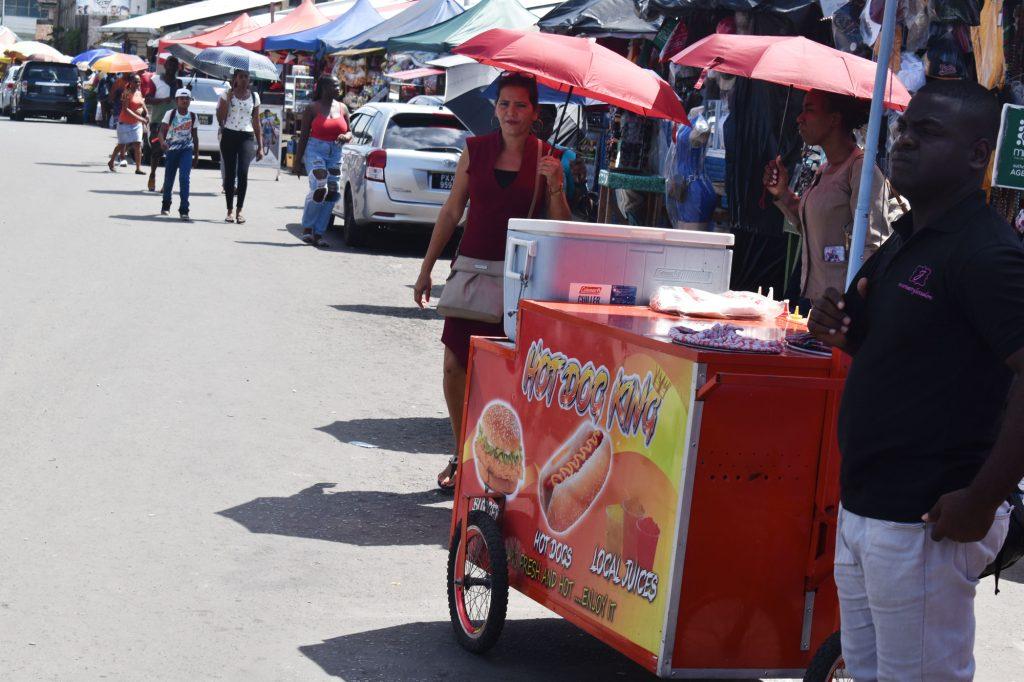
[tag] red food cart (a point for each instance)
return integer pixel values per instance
(678, 504)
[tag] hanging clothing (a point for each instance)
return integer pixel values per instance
(987, 43)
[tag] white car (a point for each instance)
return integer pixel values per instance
(398, 169)
(205, 93)
(7, 89)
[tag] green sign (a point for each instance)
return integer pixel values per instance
(1009, 166)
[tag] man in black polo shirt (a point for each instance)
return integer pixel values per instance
(931, 432)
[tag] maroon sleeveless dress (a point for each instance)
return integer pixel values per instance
(491, 206)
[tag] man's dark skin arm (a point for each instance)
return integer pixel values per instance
(966, 515)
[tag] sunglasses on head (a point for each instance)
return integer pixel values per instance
(517, 74)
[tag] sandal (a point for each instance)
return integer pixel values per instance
(307, 235)
(139, 171)
(238, 218)
(319, 242)
(152, 183)
(446, 479)
(230, 218)
(110, 165)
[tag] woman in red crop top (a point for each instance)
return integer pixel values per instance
(324, 130)
(496, 175)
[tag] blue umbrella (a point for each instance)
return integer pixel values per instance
(361, 17)
(89, 56)
(222, 62)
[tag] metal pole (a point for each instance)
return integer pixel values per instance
(867, 174)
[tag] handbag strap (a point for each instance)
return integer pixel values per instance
(536, 180)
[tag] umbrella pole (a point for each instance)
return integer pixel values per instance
(867, 175)
(785, 113)
(561, 119)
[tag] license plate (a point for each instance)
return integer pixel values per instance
(205, 119)
(442, 181)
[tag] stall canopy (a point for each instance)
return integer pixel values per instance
(361, 17)
(305, 16)
(423, 14)
(243, 23)
(677, 7)
(457, 30)
(599, 19)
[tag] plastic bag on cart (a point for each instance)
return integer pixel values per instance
(729, 305)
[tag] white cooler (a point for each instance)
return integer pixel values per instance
(552, 260)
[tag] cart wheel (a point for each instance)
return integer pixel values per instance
(827, 664)
(478, 589)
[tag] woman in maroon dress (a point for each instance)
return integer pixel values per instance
(496, 176)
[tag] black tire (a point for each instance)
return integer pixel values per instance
(215, 158)
(827, 664)
(352, 233)
(74, 118)
(475, 631)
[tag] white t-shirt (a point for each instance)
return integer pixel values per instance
(179, 129)
(163, 89)
(240, 111)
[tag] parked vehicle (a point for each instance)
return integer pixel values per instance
(7, 89)
(48, 90)
(205, 93)
(398, 169)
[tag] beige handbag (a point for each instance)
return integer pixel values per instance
(475, 287)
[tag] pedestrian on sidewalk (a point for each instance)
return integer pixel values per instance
(179, 137)
(238, 116)
(506, 174)
(134, 116)
(930, 430)
(324, 130)
(164, 86)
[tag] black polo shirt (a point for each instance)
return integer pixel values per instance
(925, 395)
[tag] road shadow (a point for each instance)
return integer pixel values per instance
(540, 649)
(409, 312)
(156, 195)
(1014, 573)
(421, 435)
(365, 518)
(435, 290)
(69, 165)
(281, 244)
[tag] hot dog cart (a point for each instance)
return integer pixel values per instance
(677, 503)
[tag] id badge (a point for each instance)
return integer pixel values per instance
(834, 254)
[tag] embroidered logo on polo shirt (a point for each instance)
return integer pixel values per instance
(919, 282)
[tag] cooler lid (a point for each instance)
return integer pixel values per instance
(565, 228)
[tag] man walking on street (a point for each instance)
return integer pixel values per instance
(931, 432)
(179, 137)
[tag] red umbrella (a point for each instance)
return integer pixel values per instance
(577, 66)
(794, 61)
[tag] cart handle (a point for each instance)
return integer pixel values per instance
(767, 381)
(531, 253)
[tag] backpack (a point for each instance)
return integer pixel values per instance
(1013, 546)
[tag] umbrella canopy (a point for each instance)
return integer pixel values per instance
(186, 54)
(90, 56)
(119, 63)
(471, 23)
(301, 18)
(7, 37)
(423, 14)
(794, 61)
(222, 62)
(579, 66)
(31, 48)
(598, 19)
(243, 23)
(360, 17)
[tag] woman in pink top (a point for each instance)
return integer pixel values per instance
(324, 130)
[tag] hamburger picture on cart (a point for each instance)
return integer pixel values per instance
(498, 448)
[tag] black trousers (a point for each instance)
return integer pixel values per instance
(237, 149)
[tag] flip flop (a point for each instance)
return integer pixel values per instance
(448, 474)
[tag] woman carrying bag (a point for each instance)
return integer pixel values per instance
(506, 174)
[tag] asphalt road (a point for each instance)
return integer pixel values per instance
(182, 495)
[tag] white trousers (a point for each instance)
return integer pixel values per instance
(907, 602)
